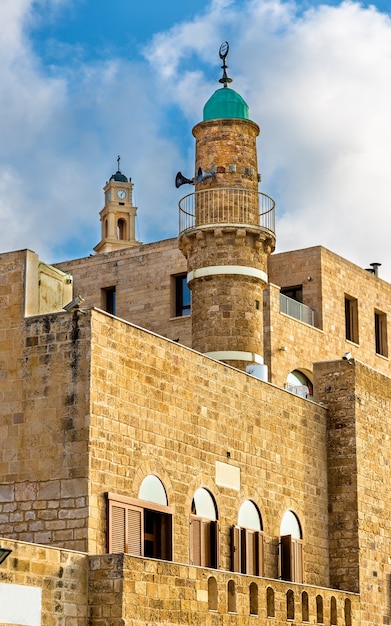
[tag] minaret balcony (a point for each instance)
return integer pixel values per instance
(227, 206)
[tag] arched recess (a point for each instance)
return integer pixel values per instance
(299, 382)
(333, 611)
(143, 525)
(253, 599)
(305, 613)
(231, 593)
(204, 530)
(348, 612)
(270, 602)
(212, 594)
(121, 229)
(319, 610)
(247, 541)
(291, 548)
(290, 604)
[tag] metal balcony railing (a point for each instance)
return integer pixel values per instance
(296, 309)
(227, 205)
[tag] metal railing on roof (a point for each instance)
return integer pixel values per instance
(296, 309)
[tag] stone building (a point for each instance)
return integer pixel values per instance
(220, 459)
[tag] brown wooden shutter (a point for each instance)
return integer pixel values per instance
(195, 540)
(297, 555)
(286, 557)
(260, 546)
(135, 531)
(117, 523)
(251, 543)
(235, 548)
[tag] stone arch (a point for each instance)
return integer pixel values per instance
(154, 467)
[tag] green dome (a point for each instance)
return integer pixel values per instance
(225, 103)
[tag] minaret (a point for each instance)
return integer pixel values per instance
(227, 232)
(118, 216)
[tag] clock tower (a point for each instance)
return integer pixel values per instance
(118, 215)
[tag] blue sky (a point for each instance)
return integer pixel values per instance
(86, 80)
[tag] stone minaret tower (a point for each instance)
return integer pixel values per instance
(227, 232)
(118, 216)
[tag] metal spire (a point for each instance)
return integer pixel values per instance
(223, 53)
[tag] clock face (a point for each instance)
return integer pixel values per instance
(121, 193)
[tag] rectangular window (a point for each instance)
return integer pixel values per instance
(109, 300)
(351, 319)
(295, 293)
(247, 551)
(182, 296)
(139, 527)
(381, 333)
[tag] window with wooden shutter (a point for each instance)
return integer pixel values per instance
(139, 527)
(247, 551)
(204, 542)
(291, 559)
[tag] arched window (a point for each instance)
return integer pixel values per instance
(152, 490)
(253, 599)
(271, 611)
(305, 614)
(204, 530)
(143, 525)
(231, 591)
(106, 228)
(348, 612)
(212, 594)
(121, 229)
(290, 604)
(333, 611)
(300, 383)
(291, 549)
(247, 541)
(319, 610)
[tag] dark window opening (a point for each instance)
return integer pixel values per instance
(295, 293)
(381, 333)
(109, 300)
(351, 319)
(182, 296)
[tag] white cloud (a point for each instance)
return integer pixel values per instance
(317, 81)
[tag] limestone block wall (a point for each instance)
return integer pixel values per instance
(359, 435)
(44, 431)
(144, 280)
(148, 592)
(157, 407)
(60, 575)
(331, 278)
